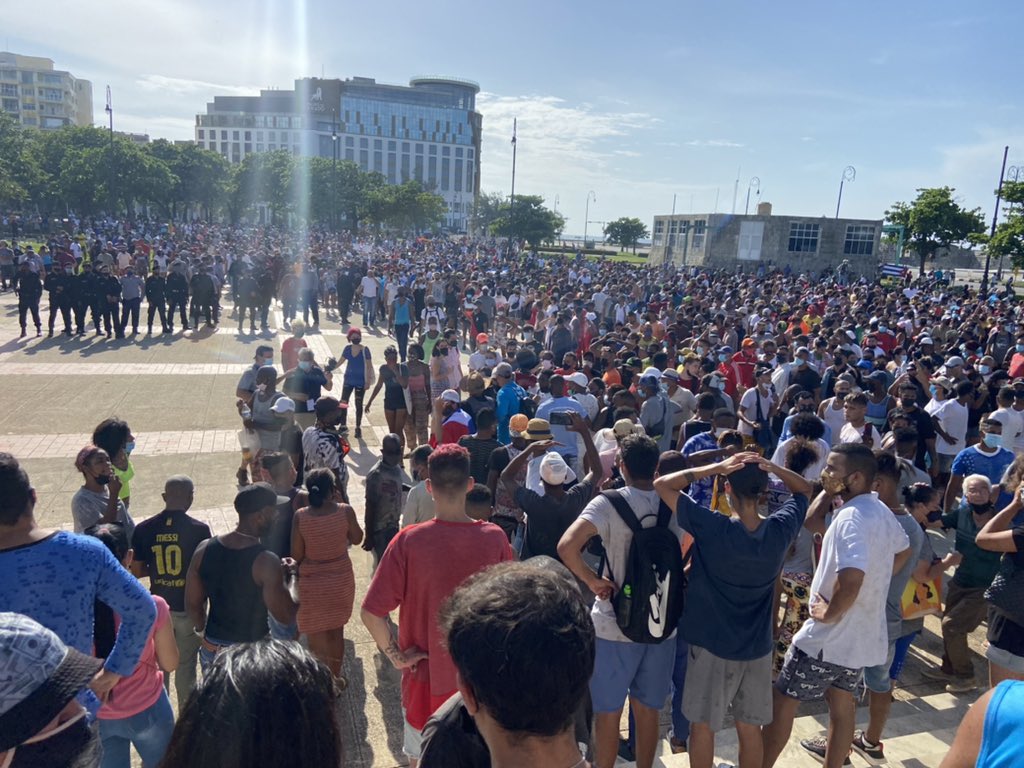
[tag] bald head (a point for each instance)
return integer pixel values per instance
(179, 491)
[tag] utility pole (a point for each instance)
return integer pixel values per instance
(512, 202)
(109, 109)
(995, 218)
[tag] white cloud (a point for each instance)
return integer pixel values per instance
(626, 153)
(714, 143)
(185, 86)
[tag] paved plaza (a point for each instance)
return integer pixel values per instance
(177, 393)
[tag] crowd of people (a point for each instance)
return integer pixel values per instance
(720, 492)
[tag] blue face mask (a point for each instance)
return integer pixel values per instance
(305, 365)
(993, 441)
(1020, 347)
(723, 358)
(984, 370)
(129, 447)
(933, 390)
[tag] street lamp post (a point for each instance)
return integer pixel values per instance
(754, 182)
(995, 219)
(109, 109)
(334, 166)
(586, 216)
(512, 196)
(849, 174)
(1014, 173)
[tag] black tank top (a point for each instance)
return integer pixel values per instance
(237, 611)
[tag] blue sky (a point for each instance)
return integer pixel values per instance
(635, 101)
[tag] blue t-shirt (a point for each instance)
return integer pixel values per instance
(971, 461)
(728, 608)
(56, 581)
(1000, 743)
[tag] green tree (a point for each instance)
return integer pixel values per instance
(264, 179)
(934, 220)
(20, 174)
(626, 231)
(201, 178)
(1008, 239)
(486, 210)
(528, 220)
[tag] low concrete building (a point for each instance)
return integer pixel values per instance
(731, 241)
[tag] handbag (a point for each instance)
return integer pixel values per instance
(1007, 591)
(762, 435)
(921, 598)
(405, 390)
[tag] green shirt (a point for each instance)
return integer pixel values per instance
(979, 566)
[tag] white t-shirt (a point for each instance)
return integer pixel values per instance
(749, 408)
(686, 403)
(369, 286)
(952, 417)
(617, 537)
(1013, 427)
(852, 434)
(864, 535)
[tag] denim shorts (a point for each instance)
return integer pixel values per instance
(643, 671)
(1005, 659)
(412, 740)
(876, 678)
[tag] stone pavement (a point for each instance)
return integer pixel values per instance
(177, 393)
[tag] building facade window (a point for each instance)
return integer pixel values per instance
(659, 232)
(699, 229)
(860, 240)
(803, 237)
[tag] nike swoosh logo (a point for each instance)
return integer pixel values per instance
(659, 605)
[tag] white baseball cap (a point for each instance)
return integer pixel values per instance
(554, 470)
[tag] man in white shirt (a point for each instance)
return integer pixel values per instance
(861, 549)
(831, 411)
(857, 429)
(950, 418)
(1011, 419)
(369, 288)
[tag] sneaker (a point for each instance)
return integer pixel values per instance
(937, 673)
(961, 685)
(625, 751)
(866, 748)
(816, 748)
(358, 433)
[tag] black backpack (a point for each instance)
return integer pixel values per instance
(649, 600)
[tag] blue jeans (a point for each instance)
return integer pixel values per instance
(369, 307)
(149, 731)
(206, 656)
(280, 631)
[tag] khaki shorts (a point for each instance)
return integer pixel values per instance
(716, 686)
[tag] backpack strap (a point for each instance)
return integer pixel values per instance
(622, 507)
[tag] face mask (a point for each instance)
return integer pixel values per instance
(261, 388)
(993, 441)
(833, 485)
(934, 517)
(306, 365)
(129, 447)
(545, 364)
(103, 479)
(482, 347)
(723, 358)
(984, 369)
(981, 509)
(268, 361)
(69, 270)
(1020, 347)
(908, 403)
(357, 339)
(528, 336)
(934, 391)
(719, 385)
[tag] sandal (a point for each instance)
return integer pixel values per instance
(242, 476)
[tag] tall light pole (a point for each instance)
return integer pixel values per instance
(754, 182)
(109, 109)
(556, 203)
(334, 165)
(512, 200)
(586, 215)
(849, 174)
(995, 219)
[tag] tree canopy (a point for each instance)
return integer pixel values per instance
(84, 170)
(934, 220)
(528, 220)
(1008, 239)
(626, 231)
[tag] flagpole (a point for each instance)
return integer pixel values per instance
(512, 201)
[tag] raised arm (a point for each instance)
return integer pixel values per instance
(997, 534)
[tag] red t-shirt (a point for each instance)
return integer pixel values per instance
(1016, 365)
(421, 567)
(290, 352)
(745, 368)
